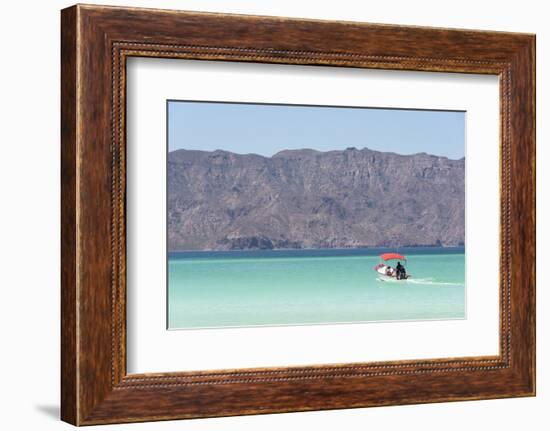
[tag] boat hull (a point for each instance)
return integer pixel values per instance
(381, 269)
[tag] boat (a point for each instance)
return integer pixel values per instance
(386, 271)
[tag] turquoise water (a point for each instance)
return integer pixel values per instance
(299, 287)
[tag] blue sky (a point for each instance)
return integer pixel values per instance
(267, 129)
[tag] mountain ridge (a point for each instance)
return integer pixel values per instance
(305, 198)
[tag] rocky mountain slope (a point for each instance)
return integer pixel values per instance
(310, 199)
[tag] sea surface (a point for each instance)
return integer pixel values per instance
(302, 287)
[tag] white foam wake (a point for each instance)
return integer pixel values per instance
(424, 281)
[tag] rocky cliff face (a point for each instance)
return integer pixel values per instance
(309, 199)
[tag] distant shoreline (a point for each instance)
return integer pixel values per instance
(448, 249)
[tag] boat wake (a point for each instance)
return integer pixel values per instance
(423, 281)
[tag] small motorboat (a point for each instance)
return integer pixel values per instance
(387, 272)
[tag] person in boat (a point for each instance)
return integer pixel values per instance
(389, 271)
(400, 269)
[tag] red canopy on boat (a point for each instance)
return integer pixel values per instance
(390, 256)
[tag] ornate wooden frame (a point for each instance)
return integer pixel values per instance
(96, 41)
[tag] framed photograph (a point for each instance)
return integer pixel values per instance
(263, 214)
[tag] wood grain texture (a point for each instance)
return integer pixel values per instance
(96, 41)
